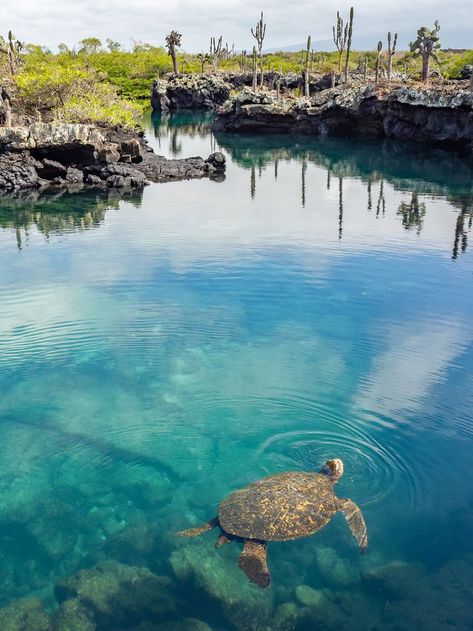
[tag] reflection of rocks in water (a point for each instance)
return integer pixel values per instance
(403, 166)
(180, 125)
(64, 211)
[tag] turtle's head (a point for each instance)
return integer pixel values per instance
(333, 469)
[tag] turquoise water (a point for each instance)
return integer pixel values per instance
(160, 349)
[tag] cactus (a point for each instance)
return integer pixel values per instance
(391, 53)
(243, 61)
(340, 36)
(11, 49)
(215, 51)
(254, 61)
(378, 61)
(173, 41)
(306, 67)
(426, 44)
(258, 34)
(350, 33)
(204, 58)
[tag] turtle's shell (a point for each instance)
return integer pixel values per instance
(280, 507)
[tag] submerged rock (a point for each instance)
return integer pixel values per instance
(220, 579)
(27, 614)
(112, 594)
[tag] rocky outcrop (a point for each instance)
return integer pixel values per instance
(45, 155)
(189, 92)
(438, 115)
(287, 81)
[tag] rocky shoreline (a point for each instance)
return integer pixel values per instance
(438, 115)
(47, 155)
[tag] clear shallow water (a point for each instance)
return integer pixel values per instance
(160, 350)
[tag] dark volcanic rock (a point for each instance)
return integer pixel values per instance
(159, 99)
(63, 155)
(419, 115)
(159, 169)
(466, 72)
(189, 92)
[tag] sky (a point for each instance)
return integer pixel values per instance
(49, 22)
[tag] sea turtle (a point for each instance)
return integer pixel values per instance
(281, 507)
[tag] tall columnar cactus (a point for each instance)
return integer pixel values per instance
(340, 37)
(378, 60)
(350, 33)
(243, 61)
(11, 49)
(258, 34)
(173, 41)
(215, 51)
(254, 64)
(426, 44)
(391, 52)
(203, 58)
(306, 67)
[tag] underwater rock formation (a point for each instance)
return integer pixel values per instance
(27, 614)
(437, 115)
(64, 155)
(112, 594)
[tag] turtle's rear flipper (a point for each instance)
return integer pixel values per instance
(195, 532)
(356, 522)
(253, 562)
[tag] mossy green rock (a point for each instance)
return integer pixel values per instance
(27, 614)
(310, 597)
(73, 616)
(116, 594)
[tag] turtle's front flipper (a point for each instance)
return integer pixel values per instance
(195, 532)
(356, 522)
(253, 562)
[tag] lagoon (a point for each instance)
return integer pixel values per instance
(163, 348)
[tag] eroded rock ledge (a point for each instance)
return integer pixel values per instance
(437, 115)
(47, 154)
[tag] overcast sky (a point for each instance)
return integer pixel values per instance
(50, 22)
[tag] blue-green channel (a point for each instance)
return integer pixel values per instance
(162, 348)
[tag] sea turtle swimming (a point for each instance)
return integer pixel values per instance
(281, 507)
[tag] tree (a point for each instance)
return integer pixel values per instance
(426, 44)
(173, 41)
(90, 45)
(113, 46)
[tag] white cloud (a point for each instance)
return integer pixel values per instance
(288, 23)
